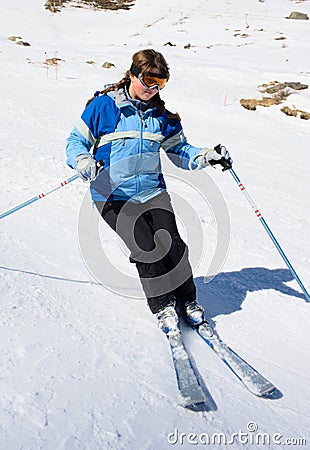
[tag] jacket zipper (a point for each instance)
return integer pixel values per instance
(142, 125)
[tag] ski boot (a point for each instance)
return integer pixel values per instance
(194, 313)
(168, 320)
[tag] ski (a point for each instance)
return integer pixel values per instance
(191, 392)
(250, 377)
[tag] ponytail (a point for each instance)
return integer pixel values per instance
(112, 87)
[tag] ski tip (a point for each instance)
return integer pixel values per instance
(197, 407)
(273, 394)
(203, 404)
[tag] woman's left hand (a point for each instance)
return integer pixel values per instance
(212, 156)
(220, 155)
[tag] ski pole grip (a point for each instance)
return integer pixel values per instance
(100, 166)
(225, 163)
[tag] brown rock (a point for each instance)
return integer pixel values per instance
(298, 16)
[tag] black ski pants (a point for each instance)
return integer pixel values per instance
(150, 232)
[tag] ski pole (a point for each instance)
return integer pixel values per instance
(275, 242)
(38, 197)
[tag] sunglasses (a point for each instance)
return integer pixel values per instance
(149, 80)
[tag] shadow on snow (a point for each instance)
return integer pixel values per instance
(227, 291)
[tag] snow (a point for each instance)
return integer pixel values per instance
(84, 367)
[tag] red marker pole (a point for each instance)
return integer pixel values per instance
(56, 65)
(46, 63)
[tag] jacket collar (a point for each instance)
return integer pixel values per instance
(122, 99)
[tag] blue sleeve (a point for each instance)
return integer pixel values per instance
(77, 145)
(176, 146)
(98, 118)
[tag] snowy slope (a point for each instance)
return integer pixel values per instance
(87, 368)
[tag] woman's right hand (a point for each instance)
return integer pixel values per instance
(86, 167)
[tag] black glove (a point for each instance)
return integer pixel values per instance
(225, 161)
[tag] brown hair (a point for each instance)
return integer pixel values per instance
(145, 61)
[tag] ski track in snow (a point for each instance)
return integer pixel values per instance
(82, 367)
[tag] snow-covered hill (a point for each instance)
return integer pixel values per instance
(83, 367)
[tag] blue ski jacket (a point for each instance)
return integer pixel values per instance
(128, 140)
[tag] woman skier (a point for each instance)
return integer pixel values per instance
(125, 126)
